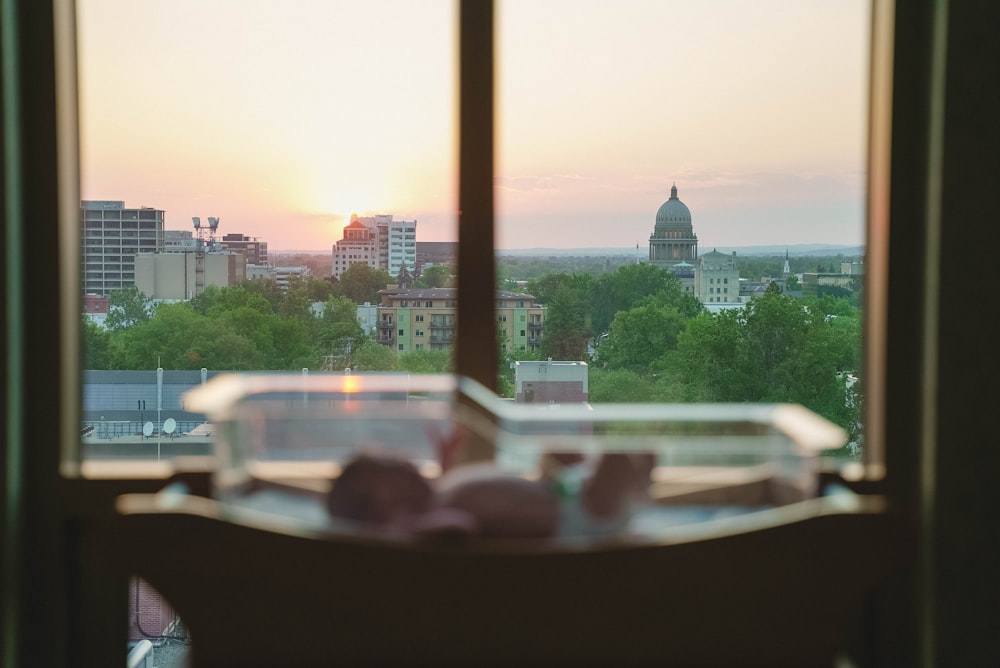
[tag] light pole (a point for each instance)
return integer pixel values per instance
(159, 407)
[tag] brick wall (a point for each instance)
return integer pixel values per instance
(150, 616)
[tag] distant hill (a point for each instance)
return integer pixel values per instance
(794, 250)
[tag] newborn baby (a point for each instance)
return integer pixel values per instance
(389, 494)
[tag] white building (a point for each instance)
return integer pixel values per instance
(717, 279)
(280, 275)
(377, 241)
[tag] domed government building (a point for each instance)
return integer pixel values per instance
(673, 239)
(713, 278)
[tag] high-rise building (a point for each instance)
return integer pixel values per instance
(397, 244)
(377, 241)
(111, 238)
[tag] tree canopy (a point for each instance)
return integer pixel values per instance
(360, 283)
(653, 341)
(435, 276)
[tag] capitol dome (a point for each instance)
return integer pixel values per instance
(673, 215)
(673, 239)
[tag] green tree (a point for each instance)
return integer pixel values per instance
(127, 307)
(626, 287)
(710, 362)
(792, 283)
(373, 356)
(617, 386)
(567, 327)
(95, 342)
(360, 283)
(294, 347)
(215, 301)
(547, 287)
(685, 303)
(266, 288)
(776, 349)
(338, 331)
(639, 336)
(425, 361)
(435, 276)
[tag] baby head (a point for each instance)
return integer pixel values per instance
(379, 491)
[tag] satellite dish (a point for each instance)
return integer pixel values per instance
(147, 429)
(169, 426)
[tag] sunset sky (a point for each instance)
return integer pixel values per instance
(282, 117)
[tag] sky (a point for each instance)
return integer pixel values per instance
(284, 117)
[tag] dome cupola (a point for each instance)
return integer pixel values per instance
(673, 214)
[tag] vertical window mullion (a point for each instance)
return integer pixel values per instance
(475, 349)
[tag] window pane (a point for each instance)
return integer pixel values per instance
(720, 140)
(222, 165)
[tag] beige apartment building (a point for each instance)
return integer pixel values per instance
(424, 319)
(186, 275)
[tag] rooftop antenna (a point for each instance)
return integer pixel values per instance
(206, 235)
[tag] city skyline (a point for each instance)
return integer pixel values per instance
(284, 119)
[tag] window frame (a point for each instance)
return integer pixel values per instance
(39, 139)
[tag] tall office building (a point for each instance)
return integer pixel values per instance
(111, 238)
(377, 241)
(397, 244)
